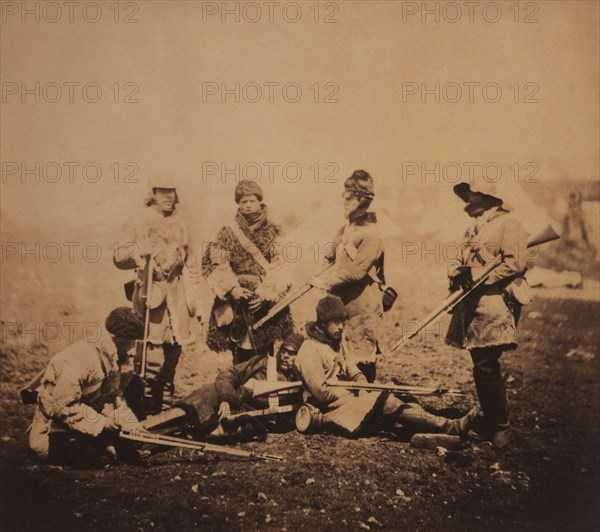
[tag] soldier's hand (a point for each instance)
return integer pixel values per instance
(255, 303)
(241, 293)
(147, 247)
(318, 282)
(224, 410)
(461, 278)
(111, 425)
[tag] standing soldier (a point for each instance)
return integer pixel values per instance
(485, 322)
(158, 241)
(358, 272)
(243, 268)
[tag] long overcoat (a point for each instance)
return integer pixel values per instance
(175, 278)
(357, 247)
(318, 362)
(490, 315)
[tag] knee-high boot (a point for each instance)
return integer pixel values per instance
(416, 419)
(492, 397)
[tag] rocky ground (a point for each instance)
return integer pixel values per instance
(549, 480)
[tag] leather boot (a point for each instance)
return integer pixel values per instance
(492, 397)
(416, 419)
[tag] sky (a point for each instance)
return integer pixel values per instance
(361, 75)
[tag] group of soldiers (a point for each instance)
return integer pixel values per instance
(91, 392)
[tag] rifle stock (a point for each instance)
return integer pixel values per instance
(268, 387)
(395, 388)
(288, 300)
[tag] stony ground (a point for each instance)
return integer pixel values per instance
(548, 481)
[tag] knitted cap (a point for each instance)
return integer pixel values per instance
(122, 321)
(331, 308)
(293, 342)
(245, 188)
(361, 183)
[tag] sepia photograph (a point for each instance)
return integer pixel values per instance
(300, 265)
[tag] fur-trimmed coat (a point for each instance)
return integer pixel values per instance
(318, 362)
(226, 264)
(175, 275)
(349, 280)
(79, 390)
(489, 316)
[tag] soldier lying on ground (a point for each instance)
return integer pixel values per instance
(80, 408)
(323, 357)
(232, 390)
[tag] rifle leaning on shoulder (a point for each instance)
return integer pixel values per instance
(394, 388)
(171, 441)
(288, 300)
(547, 234)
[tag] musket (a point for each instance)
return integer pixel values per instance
(547, 234)
(394, 388)
(288, 300)
(147, 298)
(171, 441)
(450, 302)
(261, 388)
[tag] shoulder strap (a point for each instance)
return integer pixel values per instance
(250, 247)
(352, 252)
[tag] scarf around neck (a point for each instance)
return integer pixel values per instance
(253, 220)
(316, 333)
(362, 217)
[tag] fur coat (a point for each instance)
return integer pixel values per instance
(226, 264)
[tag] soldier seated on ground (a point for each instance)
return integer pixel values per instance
(323, 357)
(206, 409)
(80, 408)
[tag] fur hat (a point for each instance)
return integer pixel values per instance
(331, 308)
(361, 183)
(122, 321)
(245, 188)
(293, 342)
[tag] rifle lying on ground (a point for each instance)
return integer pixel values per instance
(170, 441)
(394, 388)
(288, 300)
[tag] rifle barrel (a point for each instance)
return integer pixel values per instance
(171, 441)
(411, 390)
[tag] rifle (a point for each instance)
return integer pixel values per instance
(171, 441)
(546, 234)
(261, 388)
(288, 300)
(450, 302)
(394, 388)
(143, 356)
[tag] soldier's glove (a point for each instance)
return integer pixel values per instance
(460, 277)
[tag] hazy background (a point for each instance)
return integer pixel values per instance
(368, 53)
